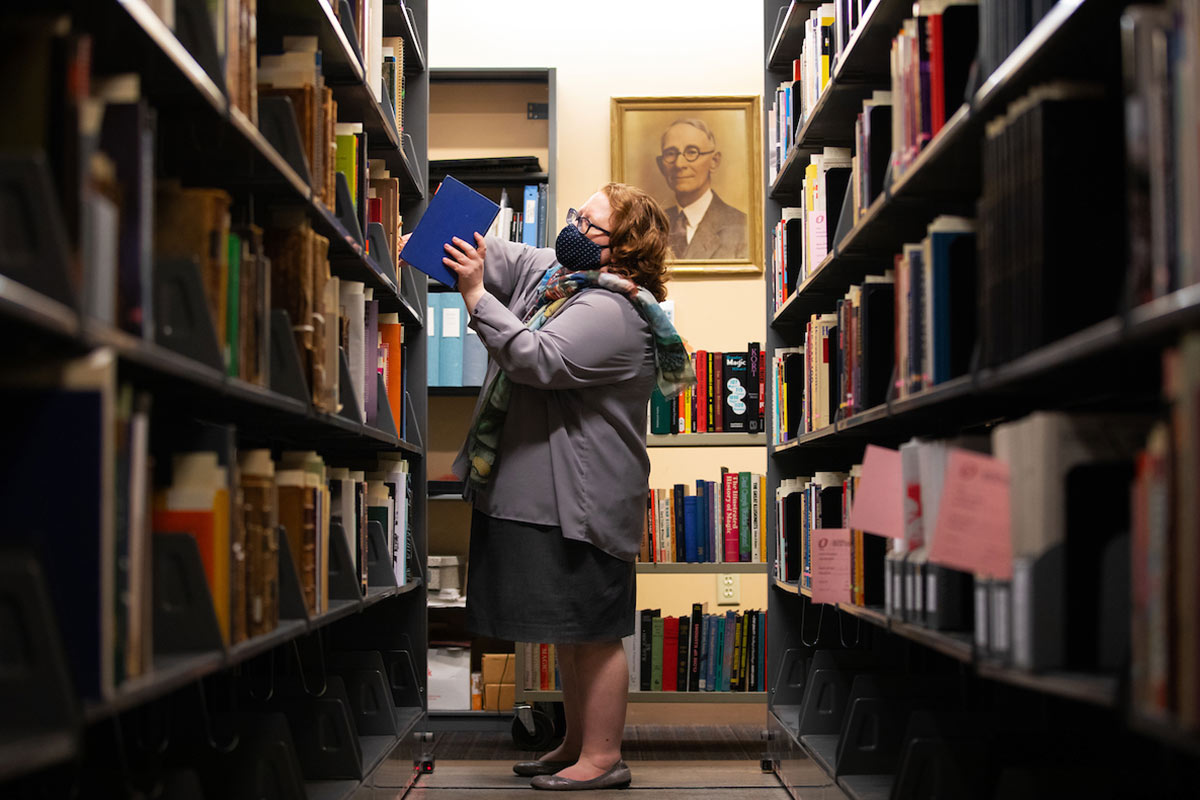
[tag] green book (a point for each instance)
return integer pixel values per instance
(744, 503)
(656, 655)
(660, 413)
(233, 290)
(346, 162)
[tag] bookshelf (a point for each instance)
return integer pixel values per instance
(494, 103)
(206, 139)
(1075, 40)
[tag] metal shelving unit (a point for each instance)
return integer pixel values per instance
(232, 153)
(944, 179)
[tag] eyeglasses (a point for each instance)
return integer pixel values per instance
(583, 223)
(690, 154)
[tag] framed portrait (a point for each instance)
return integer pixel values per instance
(700, 157)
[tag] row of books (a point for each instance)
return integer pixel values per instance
(698, 653)
(722, 521)
(124, 222)
(234, 31)
(932, 57)
(1162, 81)
(803, 505)
(795, 99)
(541, 667)
(1040, 185)
(892, 335)
(805, 234)
(135, 473)
(525, 223)
(332, 147)
(728, 396)
(1165, 656)
(456, 355)
(852, 365)
(701, 653)
(1021, 535)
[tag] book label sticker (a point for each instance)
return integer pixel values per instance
(451, 322)
(972, 531)
(831, 565)
(879, 501)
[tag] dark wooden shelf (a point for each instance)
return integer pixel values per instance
(398, 22)
(789, 35)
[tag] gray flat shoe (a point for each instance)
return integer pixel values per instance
(528, 769)
(617, 777)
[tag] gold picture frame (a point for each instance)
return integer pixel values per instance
(724, 135)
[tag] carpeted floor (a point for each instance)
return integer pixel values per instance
(642, 743)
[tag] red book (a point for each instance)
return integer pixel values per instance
(718, 392)
(937, 73)
(544, 666)
(729, 487)
(701, 361)
(375, 209)
(670, 682)
(797, 68)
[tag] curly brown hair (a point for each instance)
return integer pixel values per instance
(639, 238)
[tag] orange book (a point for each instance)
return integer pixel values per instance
(391, 348)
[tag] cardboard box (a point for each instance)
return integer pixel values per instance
(499, 668)
(449, 678)
(443, 573)
(499, 696)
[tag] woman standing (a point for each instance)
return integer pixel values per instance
(556, 462)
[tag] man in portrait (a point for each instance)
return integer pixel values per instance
(703, 226)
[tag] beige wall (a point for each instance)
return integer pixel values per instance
(631, 48)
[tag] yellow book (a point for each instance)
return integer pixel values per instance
(346, 162)
(827, 23)
(811, 176)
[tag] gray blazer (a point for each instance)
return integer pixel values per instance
(720, 234)
(573, 449)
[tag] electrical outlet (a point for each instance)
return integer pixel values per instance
(729, 590)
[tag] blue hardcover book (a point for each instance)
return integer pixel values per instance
(543, 201)
(951, 245)
(475, 357)
(433, 344)
(530, 234)
(690, 520)
(454, 210)
(716, 537)
(730, 648)
(451, 341)
(680, 532)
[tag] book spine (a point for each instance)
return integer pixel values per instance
(745, 502)
(732, 531)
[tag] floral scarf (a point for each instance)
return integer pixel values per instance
(673, 365)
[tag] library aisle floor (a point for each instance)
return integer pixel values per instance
(695, 780)
(673, 750)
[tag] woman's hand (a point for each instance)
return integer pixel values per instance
(403, 241)
(466, 261)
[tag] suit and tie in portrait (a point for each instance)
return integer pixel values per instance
(700, 158)
(703, 226)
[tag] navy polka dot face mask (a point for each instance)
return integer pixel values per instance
(576, 251)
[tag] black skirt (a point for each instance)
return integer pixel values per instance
(526, 583)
